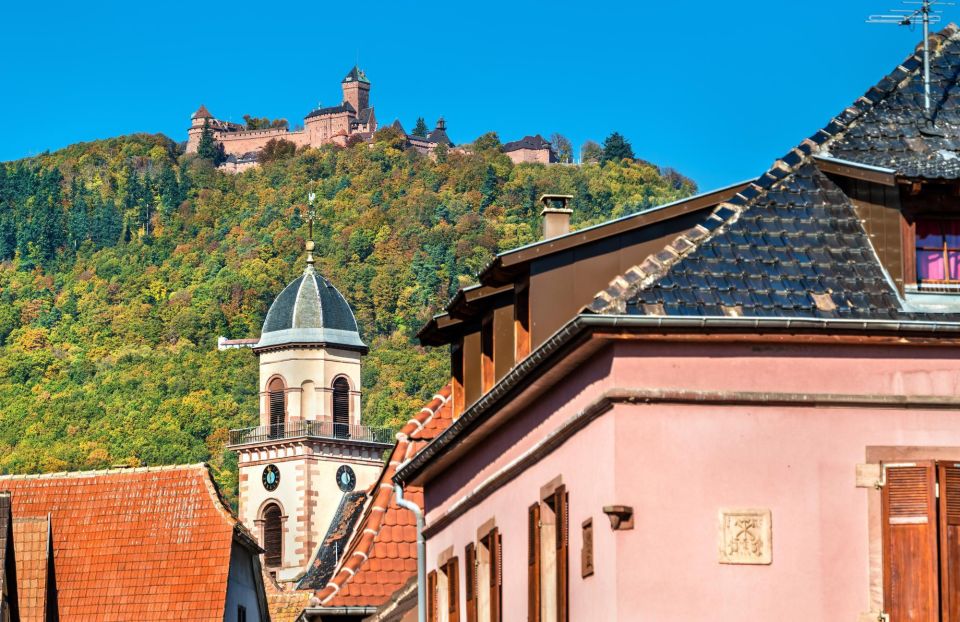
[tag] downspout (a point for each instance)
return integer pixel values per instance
(421, 553)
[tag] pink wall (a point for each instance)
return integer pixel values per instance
(678, 464)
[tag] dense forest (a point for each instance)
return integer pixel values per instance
(122, 260)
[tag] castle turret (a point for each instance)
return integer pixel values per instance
(356, 89)
(197, 120)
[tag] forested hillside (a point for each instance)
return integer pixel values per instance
(123, 260)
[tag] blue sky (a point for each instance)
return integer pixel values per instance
(715, 90)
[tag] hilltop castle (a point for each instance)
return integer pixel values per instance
(354, 117)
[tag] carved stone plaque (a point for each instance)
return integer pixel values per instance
(745, 536)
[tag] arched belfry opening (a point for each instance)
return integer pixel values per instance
(272, 536)
(341, 408)
(278, 407)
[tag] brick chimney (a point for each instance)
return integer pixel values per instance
(555, 214)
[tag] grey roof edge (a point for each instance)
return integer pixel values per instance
(577, 328)
(867, 167)
(294, 337)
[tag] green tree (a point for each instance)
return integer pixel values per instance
(616, 148)
(276, 149)
(421, 129)
(590, 152)
(208, 148)
(487, 141)
(562, 148)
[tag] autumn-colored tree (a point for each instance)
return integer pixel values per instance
(276, 149)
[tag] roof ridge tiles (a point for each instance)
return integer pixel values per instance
(110, 471)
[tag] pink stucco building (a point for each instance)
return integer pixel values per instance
(738, 406)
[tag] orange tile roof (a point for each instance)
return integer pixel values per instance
(132, 544)
(284, 606)
(32, 551)
(382, 556)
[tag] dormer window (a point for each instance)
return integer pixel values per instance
(937, 253)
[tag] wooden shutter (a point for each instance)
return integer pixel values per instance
(470, 580)
(949, 479)
(533, 565)
(341, 408)
(277, 414)
(432, 596)
(910, 542)
(496, 575)
(453, 589)
(563, 554)
(272, 536)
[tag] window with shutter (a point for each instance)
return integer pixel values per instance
(432, 596)
(341, 408)
(470, 581)
(453, 590)
(496, 575)
(273, 535)
(277, 404)
(563, 554)
(533, 564)
(949, 479)
(910, 542)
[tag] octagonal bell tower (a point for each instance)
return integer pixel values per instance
(310, 447)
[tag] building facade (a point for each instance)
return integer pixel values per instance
(751, 416)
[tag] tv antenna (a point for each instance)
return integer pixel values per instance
(926, 14)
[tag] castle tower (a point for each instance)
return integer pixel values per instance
(197, 120)
(310, 448)
(356, 89)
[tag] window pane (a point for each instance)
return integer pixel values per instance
(929, 233)
(930, 265)
(953, 258)
(951, 230)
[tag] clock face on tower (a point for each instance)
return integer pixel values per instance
(346, 478)
(271, 477)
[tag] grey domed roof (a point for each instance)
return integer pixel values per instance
(310, 310)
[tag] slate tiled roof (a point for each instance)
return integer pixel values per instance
(31, 538)
(789, 245)
(364, 117)
(334, 544)
(382, 556)
(527, 142)
(134, 544)
(344, 107)
(356, 75)
(893, 133)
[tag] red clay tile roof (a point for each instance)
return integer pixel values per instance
(32, 551)
(202, 113)
(382, 556)
(284, 606)
(134, 544)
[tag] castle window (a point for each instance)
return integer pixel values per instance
(278, 405)
(273, 535)
(341, 408)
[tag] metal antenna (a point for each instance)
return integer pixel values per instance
(311, 214)
(908, 17)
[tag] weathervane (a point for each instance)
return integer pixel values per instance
(311, 214)
(908, 17)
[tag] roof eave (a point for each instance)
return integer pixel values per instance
(576, 330)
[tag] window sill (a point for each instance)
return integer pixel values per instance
(920, 301)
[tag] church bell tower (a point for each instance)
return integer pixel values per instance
(310, 448)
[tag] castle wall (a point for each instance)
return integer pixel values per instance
(239, 143)
(320, 130)
(518, 156)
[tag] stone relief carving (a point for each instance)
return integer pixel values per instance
(745, 536)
